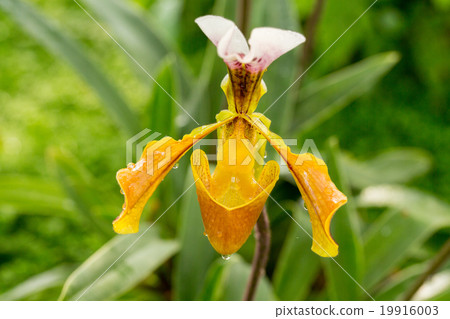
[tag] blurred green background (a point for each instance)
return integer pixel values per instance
(376, 105)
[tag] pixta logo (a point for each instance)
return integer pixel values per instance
(159, 153)
(137, 143)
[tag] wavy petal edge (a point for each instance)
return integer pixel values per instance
(139, 181)
(321, 196)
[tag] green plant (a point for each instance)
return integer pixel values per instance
(392, 240)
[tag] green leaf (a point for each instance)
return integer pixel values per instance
(35, 195)
(146, 39)
(161, 109)
(280, 14)
(389, 240)
(284, 71)
(297, 265)
(118, 266)
(195, 104)
(334, 20)
(346, 268)
(214, 284)
(399, 165)
(130, 29)
(413, 217)
(81, 188)
(324, 97)
(210, 66)
(226, 280)
(49, 279)
(57, 42)
(413, 203)
(398, 283)
(196, 253)
(443, 296)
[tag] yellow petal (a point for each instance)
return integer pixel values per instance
(321, 196)
(229, 226)
(138, 182)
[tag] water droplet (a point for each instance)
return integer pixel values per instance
(205, 234)
(131, 165)
(233, 179)
(226, 257)
(304, 206)
(122, 192)
(176, 166)
(265, 154)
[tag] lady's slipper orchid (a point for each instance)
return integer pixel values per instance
(232, 198)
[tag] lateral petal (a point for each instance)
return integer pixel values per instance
(138, 182)
(321, 196)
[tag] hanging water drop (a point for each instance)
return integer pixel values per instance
(122, 192)
(304, 206)
(205, 234)
(265, 154)
(130, 165)
(176, 165)
(226, 257)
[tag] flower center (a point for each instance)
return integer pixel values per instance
(233, 183)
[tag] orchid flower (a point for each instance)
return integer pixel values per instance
(232, 198)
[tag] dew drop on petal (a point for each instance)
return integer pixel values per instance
(205, 234)
(130, 165)
(176, 166)
(226, 257)
(122, 192)
(304, 206)
(265, 154)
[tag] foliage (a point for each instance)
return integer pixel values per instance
(72, 95)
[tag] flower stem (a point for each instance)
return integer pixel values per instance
(261, 256)
(243, 15)
(311, 26)
(436, 263)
